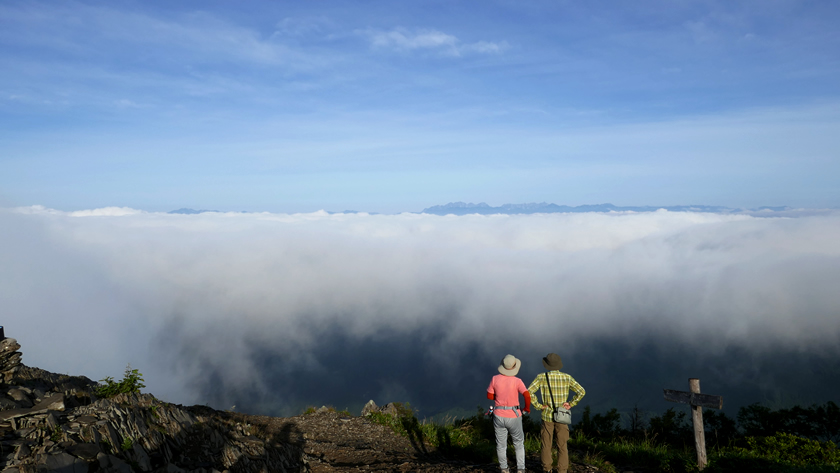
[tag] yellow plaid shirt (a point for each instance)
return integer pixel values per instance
(561, 383)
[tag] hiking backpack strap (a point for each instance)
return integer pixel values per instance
(553, 407)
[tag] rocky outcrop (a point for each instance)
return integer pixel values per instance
(9, 357)
(392, 408)
(55, 423)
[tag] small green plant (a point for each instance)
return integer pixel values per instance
(132, 382)
(464, 438)
(309, 410)
(56, 434)
(127, 444)
(595, 459)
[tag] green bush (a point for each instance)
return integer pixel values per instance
(817, 422)
(666, 444)
(788, 448)
(642, 454)
(132, 382)
(779, 453)
(735, 462)
(606, 426)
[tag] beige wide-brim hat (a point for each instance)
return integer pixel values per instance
(552, 362)
(510, 365)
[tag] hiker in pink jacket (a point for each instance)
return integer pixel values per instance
(505, 389)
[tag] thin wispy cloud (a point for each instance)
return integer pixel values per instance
(428, 40)
(80, 30)
(302, 27)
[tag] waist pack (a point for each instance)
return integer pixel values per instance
(558, 414)
(492, 411)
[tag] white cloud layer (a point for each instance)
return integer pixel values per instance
(85, 292)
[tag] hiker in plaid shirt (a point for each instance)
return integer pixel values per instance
(561, 383)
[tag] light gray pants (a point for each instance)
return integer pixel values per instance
(502, 426)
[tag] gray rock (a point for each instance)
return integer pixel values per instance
(9, 358)
(14, 413)
(52, 421)
(6, 404)
(22, 452)
(61, 463)
(157, 430)
(112, 464)
(141, 457)
(53, 403)
(112, 436)
(390, 409)
(19, 395)
(86, 419)
(24, 432)
(370, 407)
(171, 468)
(8, 346)
(88, 451)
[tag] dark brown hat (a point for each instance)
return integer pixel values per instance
(552, 362)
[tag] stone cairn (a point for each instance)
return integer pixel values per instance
(55, 423)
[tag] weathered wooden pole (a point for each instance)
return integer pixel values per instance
(699, 430)
(697, 402)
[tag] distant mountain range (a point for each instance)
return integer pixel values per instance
(189, 211)
(463, 208)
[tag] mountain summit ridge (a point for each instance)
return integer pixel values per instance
(55, 423)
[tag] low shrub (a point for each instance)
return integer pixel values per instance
(666, 450)
(643, 454)
(785, 448)
(132, 382)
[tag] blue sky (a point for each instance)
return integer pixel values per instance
(397, 106)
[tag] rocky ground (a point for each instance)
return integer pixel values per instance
(333, 441)
(55, 423)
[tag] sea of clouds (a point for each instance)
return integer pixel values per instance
(271, 312)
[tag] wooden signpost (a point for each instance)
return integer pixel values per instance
(697, 402)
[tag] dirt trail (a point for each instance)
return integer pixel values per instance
(333, 442)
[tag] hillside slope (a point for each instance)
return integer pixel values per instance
(55, 423)
(51, 422)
